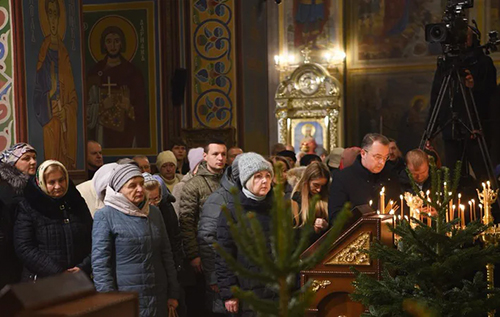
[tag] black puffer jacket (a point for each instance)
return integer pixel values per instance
(52, 235)
(12, 183)
(207, 226)
(227, 278)
(173, 230)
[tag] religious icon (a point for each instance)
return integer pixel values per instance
(308, 144)
(55, 97)
(310, 18)
(118, 109)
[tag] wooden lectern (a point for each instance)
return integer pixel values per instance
(332, 278)
(67, 294)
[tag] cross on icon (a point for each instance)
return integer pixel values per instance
(109, 85)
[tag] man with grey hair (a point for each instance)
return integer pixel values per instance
(362, 182)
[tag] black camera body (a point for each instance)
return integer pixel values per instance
(451, 33)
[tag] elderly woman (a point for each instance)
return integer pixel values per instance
(256, 176)
(53, 228)
(130, 247)
(17, 163)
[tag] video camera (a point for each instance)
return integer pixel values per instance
(451, 33)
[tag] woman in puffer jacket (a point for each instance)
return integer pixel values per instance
(130, 247)
(17, 163)
(256, 175)
(53, 228)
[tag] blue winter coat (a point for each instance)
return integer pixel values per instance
(132, 253)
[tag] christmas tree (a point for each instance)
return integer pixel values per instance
(435, 270)
(281, 265)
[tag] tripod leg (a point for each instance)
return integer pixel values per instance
(429, 130)
(475, 125)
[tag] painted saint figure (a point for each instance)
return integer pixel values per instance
(55, 98)
(310, 18)
(118, 105)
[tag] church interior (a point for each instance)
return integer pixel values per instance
(130, 78)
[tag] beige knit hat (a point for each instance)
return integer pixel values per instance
(165, 157)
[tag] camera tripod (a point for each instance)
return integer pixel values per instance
(453, 80)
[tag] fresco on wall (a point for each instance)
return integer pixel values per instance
(387, 32)
(7, 110)
(316, 24)
(121, 76)
(401, 112)
(54, 80)
(213, 60)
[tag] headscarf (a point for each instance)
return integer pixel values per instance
(40, 175)
(195, 156)
(101, 179)
(165, 157)
(14, 153)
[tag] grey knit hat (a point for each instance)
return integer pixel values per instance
(251, 163)
(235, 172)
(122, 174)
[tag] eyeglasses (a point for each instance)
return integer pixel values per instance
(379, 157)
(155, 200)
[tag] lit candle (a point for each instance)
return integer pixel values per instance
(429, 219)
(382, 200)
(371, 203)
(390, 205)
(474, 209)
(470, 211)
(402, 204)
(453, 212)
(462, 214)
(459, 196)
(481, 211)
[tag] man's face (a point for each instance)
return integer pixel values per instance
(179, 152)
(143, 163)
(113, 43)
(216, 157)
(167, 170)
(419, 173)
(53, 15)
(94, 155)
(308, 146)
(232, 154)
(374, 158)
(394, 152)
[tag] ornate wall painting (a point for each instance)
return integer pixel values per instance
(213, 62)
(401, 112)
(53, 90)
(122, 64)
(7, 109)
(315, 25)
(302, 128)
(392, 32)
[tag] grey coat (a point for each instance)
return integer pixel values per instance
(207, 226)
(131, 253)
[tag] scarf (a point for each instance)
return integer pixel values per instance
(121, 203)
(40, 177)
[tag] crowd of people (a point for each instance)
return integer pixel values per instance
(131, 229)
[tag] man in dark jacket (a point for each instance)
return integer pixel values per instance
(362, 182)
(417, 162)
(207, 230)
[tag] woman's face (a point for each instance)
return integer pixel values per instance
(261, 183)
(154, 196)
(315, 185)
(133, 190)
(56, 183)
(27, 163)
(280, 171)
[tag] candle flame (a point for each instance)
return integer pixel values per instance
(459, 196)
(391, 212)
(382, 191)
(371, 202)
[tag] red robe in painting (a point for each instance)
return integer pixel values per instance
(310, 17)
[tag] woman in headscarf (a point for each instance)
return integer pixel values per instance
(53, 228)
(314, 181)
(256, 176)
(17, 163)
(130, 247)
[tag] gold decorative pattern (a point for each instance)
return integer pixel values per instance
(316, 285)
(352, 254)
(310, 92)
